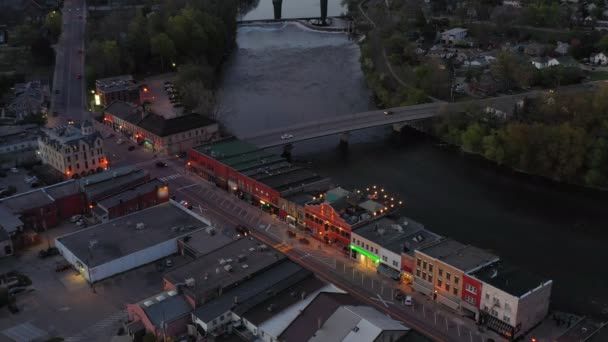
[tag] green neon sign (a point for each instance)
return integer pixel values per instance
(366, 253)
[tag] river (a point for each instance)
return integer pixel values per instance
(283, 73)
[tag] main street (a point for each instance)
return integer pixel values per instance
(68, 95)
(226, 211)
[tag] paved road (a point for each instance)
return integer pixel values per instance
(227, 211)
(358, 121)
(68, 98)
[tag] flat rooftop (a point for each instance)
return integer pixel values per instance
(226, 266)
(131, 193)
(120, 181)
(165, 306)
(255, 290)
(28, 200)
(120, 237)
(463, 257)
(204, 241)
(404, 235)
(116, 83)
(509, 278)
(289, 177)
(300, 198)
(63, 189)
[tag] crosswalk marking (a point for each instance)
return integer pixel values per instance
(170, 177)
(104, 328)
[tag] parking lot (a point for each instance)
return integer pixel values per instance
(16, 179)
(158, 97)
(61, 303)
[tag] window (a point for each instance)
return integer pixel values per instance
(70, 168)
(507, 307)
(384, 259)
(430, 278)
(69, 160)
(487, 296)
(440, 272)
(447, 287)
(424, 275)
(471, 288)
(77, 166)
(419, 262)
(396, 264)
(506, 318)
(417, 272)
(447, 275)
(470, 299)
(456, 280)
(439, 283)
(430, 267)
(455, 291)
(424, 265)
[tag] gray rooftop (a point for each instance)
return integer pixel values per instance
(63, 189)
(170, 307)
(202, 242)
(9, 222)
(27, 200)
(255, 290)
(116, 83)
(403, 236)
(119, 181)
(120, 237)
(299, 198)
(463, 257)
(509, 278)
(210, 271)
(129, 194)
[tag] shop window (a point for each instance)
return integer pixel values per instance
(455, 291)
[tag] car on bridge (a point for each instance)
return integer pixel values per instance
(388, 112)
(286, 136)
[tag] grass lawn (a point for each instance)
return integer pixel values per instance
(599, 75)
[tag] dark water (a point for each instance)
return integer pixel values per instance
(264, 9)
(283, 74)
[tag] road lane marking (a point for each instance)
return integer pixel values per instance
(186, 187)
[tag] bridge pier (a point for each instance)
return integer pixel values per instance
(397, 127)
(278, 9)
(324, 12)
(287, 148)
(344, 137)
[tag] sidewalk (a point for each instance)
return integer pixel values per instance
(376, 286)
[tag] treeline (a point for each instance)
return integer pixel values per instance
(37, 38)
(563, 137)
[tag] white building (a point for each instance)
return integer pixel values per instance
(130, 241)
(513, 301)
(359, 323)
(562, 48)
(72, 149)
(454, 35)
(599, 58)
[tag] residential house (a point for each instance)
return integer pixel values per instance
(512, 3)
(440, 269)
(504, 108)
(30, 98)
(539, 62)
(72, 150)
(562, 48)
(454, 35)
(513, 301)
(564, 61)
(18, 143)
(484, 85)
(599, 58)
(534, 49)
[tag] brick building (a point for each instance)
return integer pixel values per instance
(118, 88)
(138, 197)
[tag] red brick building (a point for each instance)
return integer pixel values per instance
(471, 294)
(138, 197)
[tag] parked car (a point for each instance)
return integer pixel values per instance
(388, 112)
(242, 230)
(131, 148)
(186, 204)
(399, 295)
(45, 253)
(80, 223)
(168, 262)
(161, 164)
(408, 301)
(286, 136)
(14, 170)
(119, 141)
(75, 218)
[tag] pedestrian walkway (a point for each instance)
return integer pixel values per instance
(102, 330)
(170, 177)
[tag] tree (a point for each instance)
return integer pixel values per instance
(162, 46)
(42, 52)
(53, 23)
(25, 35)
(602, 44)
(472, 137)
